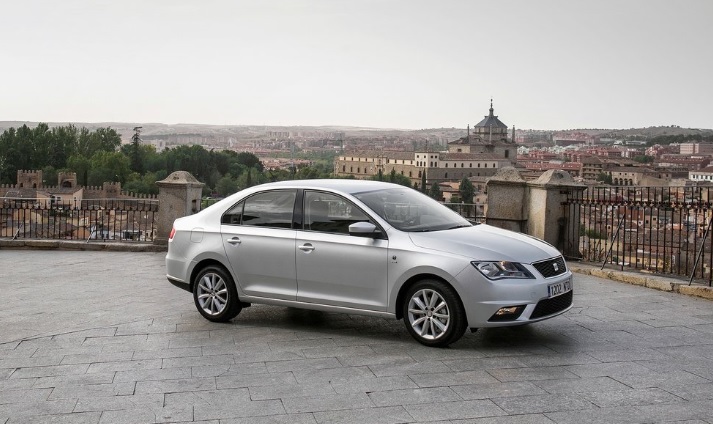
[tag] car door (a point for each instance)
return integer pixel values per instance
(259, 242)
(333, 267)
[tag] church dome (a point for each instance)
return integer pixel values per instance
(490, 122)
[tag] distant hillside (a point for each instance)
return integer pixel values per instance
(251, 132)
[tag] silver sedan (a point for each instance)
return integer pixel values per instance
(364, 247)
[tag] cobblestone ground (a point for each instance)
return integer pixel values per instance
(102, 337)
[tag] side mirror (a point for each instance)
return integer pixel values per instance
(364, 229)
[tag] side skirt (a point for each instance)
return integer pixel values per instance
(316, 306)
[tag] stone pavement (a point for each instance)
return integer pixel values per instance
(102, 337)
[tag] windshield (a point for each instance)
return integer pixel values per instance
(408, 210)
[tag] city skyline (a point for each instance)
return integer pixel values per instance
(399, 64)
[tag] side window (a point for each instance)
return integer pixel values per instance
(233, 216)
(329, 213)
(267, 209)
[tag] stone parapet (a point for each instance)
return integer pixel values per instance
(80, 245)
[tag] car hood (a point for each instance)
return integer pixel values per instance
(484, 242)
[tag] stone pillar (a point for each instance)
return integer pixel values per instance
(547, 217)
(178, 195)
(507, 200)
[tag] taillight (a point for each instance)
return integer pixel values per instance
(173, 232)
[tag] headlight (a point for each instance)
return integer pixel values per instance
(496, 270)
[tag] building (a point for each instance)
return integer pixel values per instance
(479, 154)
(696, 148)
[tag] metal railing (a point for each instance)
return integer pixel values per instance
(659, 229)
(86, 220)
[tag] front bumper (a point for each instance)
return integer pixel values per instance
(483, 298)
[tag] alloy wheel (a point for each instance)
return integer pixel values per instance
(428, 314)
(212, 294)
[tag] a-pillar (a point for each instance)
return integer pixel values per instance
(179, 195)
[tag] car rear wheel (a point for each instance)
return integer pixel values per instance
(433, 313)
(215, 295)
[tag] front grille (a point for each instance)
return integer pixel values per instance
(553, 305)
(551, 267)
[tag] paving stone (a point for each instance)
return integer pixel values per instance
(175, 386)
(622, 414)
(138, 355)
(23, 395)
(223, 404)
(286, 356)
(607, 369)
(153, 374)
(274, 419)
(483, 364)
(147, 414)
(72, 380)
(454, 410)
(100, 367)
(337, 351)
(511, 419)
(386, 415)
(22, 411)
(191, 361)
(497, 390)
(453, 378)
(538, 404)
(284, 391)
(581, 385)
(327, 403)
(302, 364)
(414, 396)
(383, 370)
(665, 379)
(607, 399)
(92, 358)
(92, 391)
(528, 374)
(74, 418)
(389, 359)
(151, 401)
(59, 370)
(18, 362)
(693, 392)
(328, 375)
(372, 384)
(254, 380)
(228, 370)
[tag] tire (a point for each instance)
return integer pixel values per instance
(215, 295)
(433, 313)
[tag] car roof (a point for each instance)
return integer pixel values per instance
(344, 185)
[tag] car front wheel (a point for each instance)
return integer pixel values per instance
(433, 313)
(215, 295)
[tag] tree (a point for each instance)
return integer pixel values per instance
(226, 186)
(108, 166)
(436, 191)
(137, 164)
(250, 160)
(605, 178)
(423, 181)
(466, 191)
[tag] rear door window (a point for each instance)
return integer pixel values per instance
(267, 209)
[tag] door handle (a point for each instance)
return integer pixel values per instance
(307, 247)
(234, 241)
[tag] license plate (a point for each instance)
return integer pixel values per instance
(557, 289)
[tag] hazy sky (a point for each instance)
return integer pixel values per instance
(548, 64)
